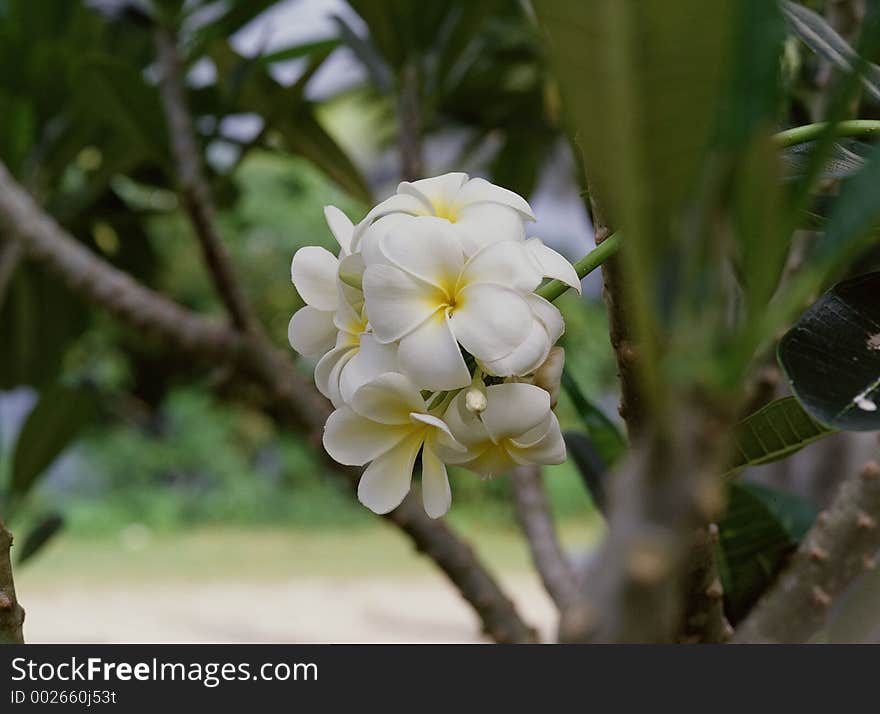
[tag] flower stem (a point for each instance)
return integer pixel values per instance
(811, 132)
(584, 266)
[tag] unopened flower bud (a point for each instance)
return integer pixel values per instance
(549, 374)
(475, 400)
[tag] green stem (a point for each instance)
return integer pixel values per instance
(584, 266)
(811, 132)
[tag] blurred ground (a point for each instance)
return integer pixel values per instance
(361, 585)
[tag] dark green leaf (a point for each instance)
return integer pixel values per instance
(115, 93)
(38, 320)
(590, 465)
(777, 430)
(377, 69)
(820, 37)
(846, 159)
(758, 531)
(46, 528)
(56, 420)
(302, 50)
(831, 357)
(248, 87)
(604, 435)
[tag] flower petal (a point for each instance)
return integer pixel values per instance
(438, 192)
(431, 358)
(313, 272)
(490, 321)
(352, 440)
(482, 224)
(436, 494)
(372, 359)
(426, 248)
(491, 461)
(387, 480)
(369, 243)
(549, 450)
(478, 190)
(398, 303)
(328, 369)
(465, 426)
(549, 315)
(311, 332)
(504, 263)
(340, 226)
(388, 399)
(552, 264)
(514, 408)
(399, 203)
(526, 358)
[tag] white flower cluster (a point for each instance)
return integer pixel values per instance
(431, 338)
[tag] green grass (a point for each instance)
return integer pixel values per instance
(267, 554)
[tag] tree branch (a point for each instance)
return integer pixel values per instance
(409, 120)
(10, 256)
(193, 188)
(11, 613)
(252, 361)
(704, 620)
(840, 546)
(551, 562)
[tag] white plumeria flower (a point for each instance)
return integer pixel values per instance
(312, 330)
(430, 297)
(386, 425)
(478, 212)
(516, 427)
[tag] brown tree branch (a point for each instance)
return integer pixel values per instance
(252, 361)
(841, 546)
(636, 588)
(704, 620)
(11, 613)
(10, 257)
(536, 521)
(193, 188)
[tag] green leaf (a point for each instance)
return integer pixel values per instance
(306, 49)
(604, 435)
(831, 357)
(773, 432)
(819, 36)
(38, 320)
(377, 69)
(759, 530)
(590, 465)
(56, 420)
(247, 87)
(641, 81)
(846, 159)
(46, 528)
(114, 93)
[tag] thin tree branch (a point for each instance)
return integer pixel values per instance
(11, 613)
(840, 547)
(551, 562)
(253, 361)
(409, 120)
(193, 188)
